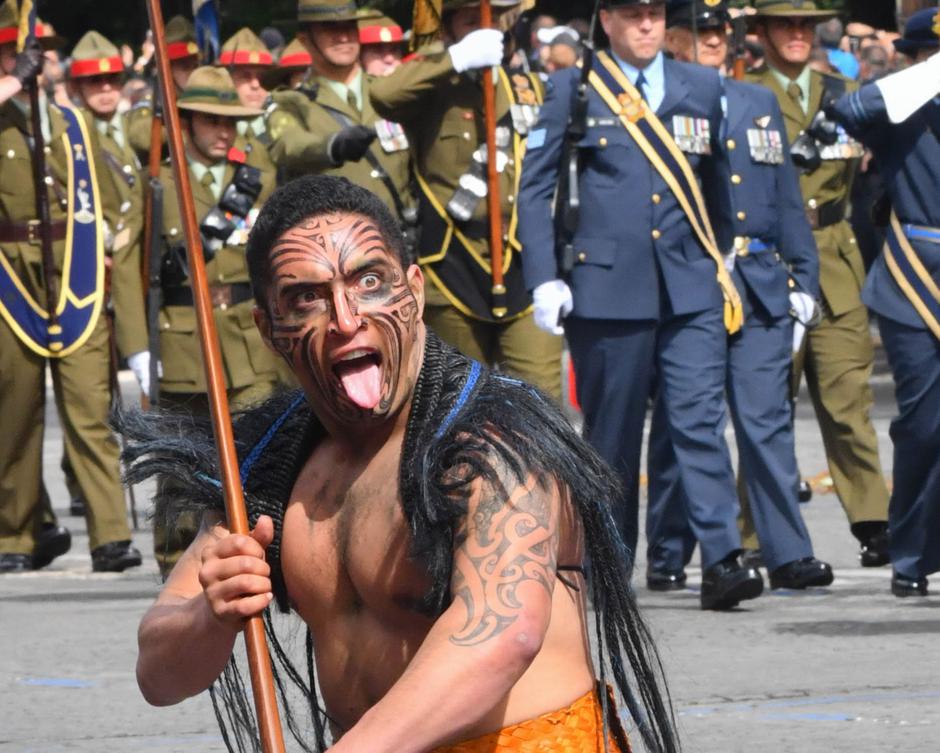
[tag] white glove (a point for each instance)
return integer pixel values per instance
(553, 302)
(482, 48)
(905, 92)
(140, 365)
(803, 309)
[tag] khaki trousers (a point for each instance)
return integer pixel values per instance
(82, 389)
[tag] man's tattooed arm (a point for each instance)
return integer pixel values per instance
(507, 555)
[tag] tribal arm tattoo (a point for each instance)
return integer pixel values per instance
(508, 544)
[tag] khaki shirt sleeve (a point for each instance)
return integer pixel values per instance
(403, 96)
(294, 147)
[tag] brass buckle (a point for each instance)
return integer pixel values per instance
(33, 235)
(221, 296)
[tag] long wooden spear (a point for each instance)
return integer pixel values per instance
(259, 661)
(494, 200)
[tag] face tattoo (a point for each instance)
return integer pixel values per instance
(343, 315)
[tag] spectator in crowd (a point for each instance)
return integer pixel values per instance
(872, 62)
(829, 37)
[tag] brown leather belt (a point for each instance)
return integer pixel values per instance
(828, 214)
(29, 232)
(222, 296)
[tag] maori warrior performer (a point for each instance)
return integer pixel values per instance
(427, 519)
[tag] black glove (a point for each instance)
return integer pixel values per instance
(351, 144)
(28, 63)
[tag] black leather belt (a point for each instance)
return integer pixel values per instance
(222, 296)
(29, 232)
(828, 214)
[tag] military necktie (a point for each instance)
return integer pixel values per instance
(796, 94)
(641, 86)
(208, 180)
(351, 100)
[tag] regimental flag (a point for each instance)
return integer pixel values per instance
(27, 23)
(206, 18)
(426, 25)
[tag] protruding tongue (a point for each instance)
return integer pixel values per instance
(362, 381)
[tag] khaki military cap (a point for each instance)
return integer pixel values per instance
(95, 55)
(294, 58)
(210, 89)
(10, 28)
(791, 9)
(331, 11)
(245, 48)
(455, 4)
(381, 30)
(180, 39)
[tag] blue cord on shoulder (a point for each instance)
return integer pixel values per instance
(245, 469)
(472, 378)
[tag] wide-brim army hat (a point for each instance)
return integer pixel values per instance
(180, 39)
(449, 5)
(381, 30)
(332, 11)
(699, 14)
(10, 28)
(210, 90)
(95, 55)
(791, 9)
(294, 58)
(624, 3)
(921, 32)
(245, 47)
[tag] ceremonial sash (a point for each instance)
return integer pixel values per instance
(449, 258)
(659, 147)
(82, 285)
(912, 277)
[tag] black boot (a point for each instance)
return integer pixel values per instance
(115, 557)
(53, 541)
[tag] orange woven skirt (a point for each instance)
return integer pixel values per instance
(576, 729)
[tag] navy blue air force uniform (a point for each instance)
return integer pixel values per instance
(646, 301)
(773, 245)
(908, 155)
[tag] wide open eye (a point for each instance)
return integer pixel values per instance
(370, 281)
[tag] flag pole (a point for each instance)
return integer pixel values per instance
(259, 661)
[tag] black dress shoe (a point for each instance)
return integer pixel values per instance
(874, 548)
(752, 558)
(115, 557)
(804, 492)
(801, 574)
(15, 563)
(903, 586)
(665, 580)
(53, 541)
(727, 583)
(77, 507)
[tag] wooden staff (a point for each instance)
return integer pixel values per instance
(493, 198)
(259, 661)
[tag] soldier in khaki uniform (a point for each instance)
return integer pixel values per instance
(438, 99)
(328, 125)
(237, 181)
(837, 355)
(183, 53)
(248, 60)
(80, 361)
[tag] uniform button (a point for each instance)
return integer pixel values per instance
(48, 180)
(128, 169)
(736, 179)
(10, 154)
(173, 231)
(582, 257)
(603, 141)
(223, 306)
(510, 198)
(166, 325)
(657, 198)
(466, 135)
(656, 235)
(791, 283)
(731, 144)
(812, 203)
(512, 162)
(47, 149)
(742, 216)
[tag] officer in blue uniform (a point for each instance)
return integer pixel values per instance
(775, 268)
(637, 281)
(898, 118)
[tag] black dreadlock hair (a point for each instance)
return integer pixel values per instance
(502, 419)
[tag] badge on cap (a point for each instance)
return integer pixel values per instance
(692, 135)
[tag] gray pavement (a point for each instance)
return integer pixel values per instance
(846, 668)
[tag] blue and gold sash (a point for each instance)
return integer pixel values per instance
(912, 277)
(659, 147)
(82, 287)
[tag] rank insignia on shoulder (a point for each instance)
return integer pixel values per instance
(766, 146)
(391, 136)
(762, 122)
(692, 135)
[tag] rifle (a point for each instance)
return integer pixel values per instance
(738, 36)
(568, 199)
(495, 205)
(150, 267)
(259, 660)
